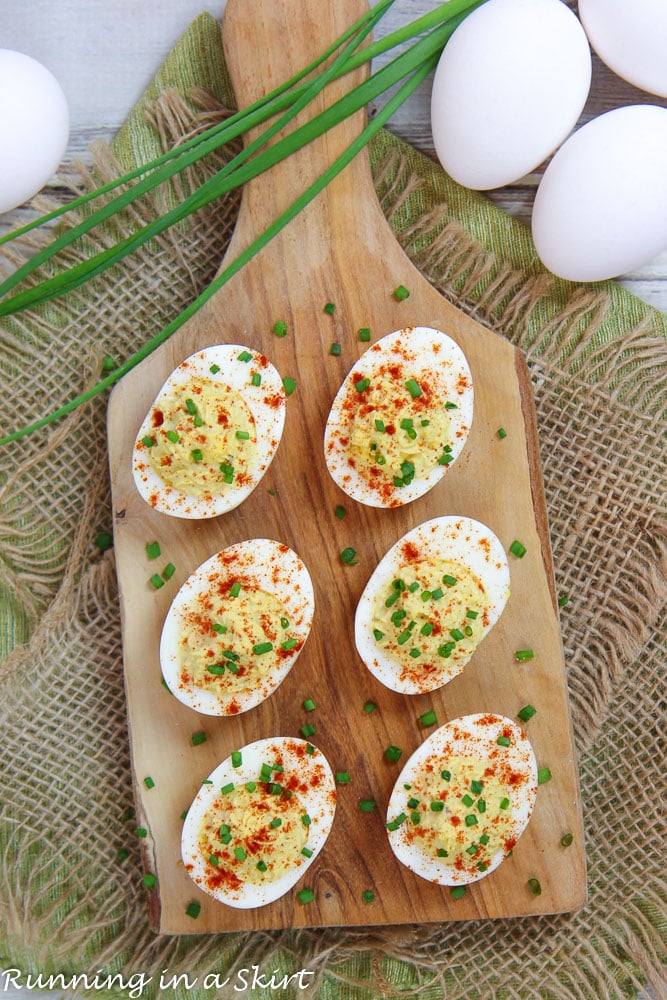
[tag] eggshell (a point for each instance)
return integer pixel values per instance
(34, 127)
(514, 764)
(306, 774)
(258, 564)
(601, 207)
(630, 36)
(509, 87)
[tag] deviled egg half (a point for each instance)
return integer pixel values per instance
(400, 418)
(211, 432)
(463, 799)
(236, 627)
(259, 821)
(429, 603)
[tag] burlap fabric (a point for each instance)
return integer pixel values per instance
(598, 359)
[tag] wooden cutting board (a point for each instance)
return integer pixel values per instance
(340, 250)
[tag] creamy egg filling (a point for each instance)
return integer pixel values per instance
(254, 833)
(398, 432)
(231, 640)
(203, 438)
(460, 809)
(435, 611)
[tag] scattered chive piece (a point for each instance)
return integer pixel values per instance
(518, 549)
(413, 388)
(193, 910)
(330, 308)
(153, 550)
(524, 654)
(108, 363)
(562, 600)
(401, 293)
(309, 705)
(198, 738)
(566, 840)
(428, 718)
(349, 556)
(103, 540)
(503, 741)
(504, 803)
(244, 356)
(526, 713)
(310, 748)
(364, 334)
(339, 512)
(335, 350)
(156, 581)
(289, 385)
(308, 730)
(534, 886)
(305, 896)
(122, 854)
(237, 758)
(367, 805)
(280, 328)
(168, 571)
(458, 892)
(148, 782)
(141, 832)
(367, 896)
(393, 753)
(342, 777)
(502, 433)
(543, 775)
(369, 707)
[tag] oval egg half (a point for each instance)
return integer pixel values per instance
(259, 821)
(211, 433)
(463, 799)
(236, 627)
(400, 418)
(430, 601)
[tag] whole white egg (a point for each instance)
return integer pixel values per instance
(34, 127)
(631, 38)
(509, 87)
(601, 207)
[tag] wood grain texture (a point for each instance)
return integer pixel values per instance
(341, 250)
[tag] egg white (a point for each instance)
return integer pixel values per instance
(475, 736)
(318, 798)
(266, 403)
(452, 537)
(424, 353)
(260, 563)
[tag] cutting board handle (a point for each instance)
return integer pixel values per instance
(264, 48)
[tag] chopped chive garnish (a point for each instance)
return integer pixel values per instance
(476, 787)
(244, 356)
(237, 758)
(451, 406)
(261, 866)
(543, 775)
(239, 854)
(190, 407)
(415, 817)
(437, 806)
(198, 738)
(349, 556)
(467, 800)
(364, 334)
(503, 741)
(367, 805)
(275, 823)
(426, 628)
(280, 328)
(377, 634)
(342, 777)
(309, 705)
(451, 581)
(395, 823)
(148, 441)
(472, 614)
(214, 859)
(379, 426)
(367, 896)
(153, 550)
(310, 748)
(305, 819)
(369, 707)
(262, 647)
(446, 775)
(456, 634)
(275, 788)
(534, 886)
(149, 782)
(289, 385)
(289, 644)
(306, 851)
(256, 379)
(504, 803)
(413, 803)
(168, 571)
(308, 730)
(335, 349)
(156, 581)
(442, 853)
(526, 713)
(428, 718)
(214, 369)
(414, 652)
(566, 840)
(330, 308)
(362, 384)
(217, 627)
(484, 839)
(502, 433)
(471, 820)
(393, 753)
(401, 293)
(251, 786)
(172, 436)
(226, 789)
(197, 455)
(193, 910)
(518, 549)
(305, 896)
(243, 435)
(522, 655)
(235, 590)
